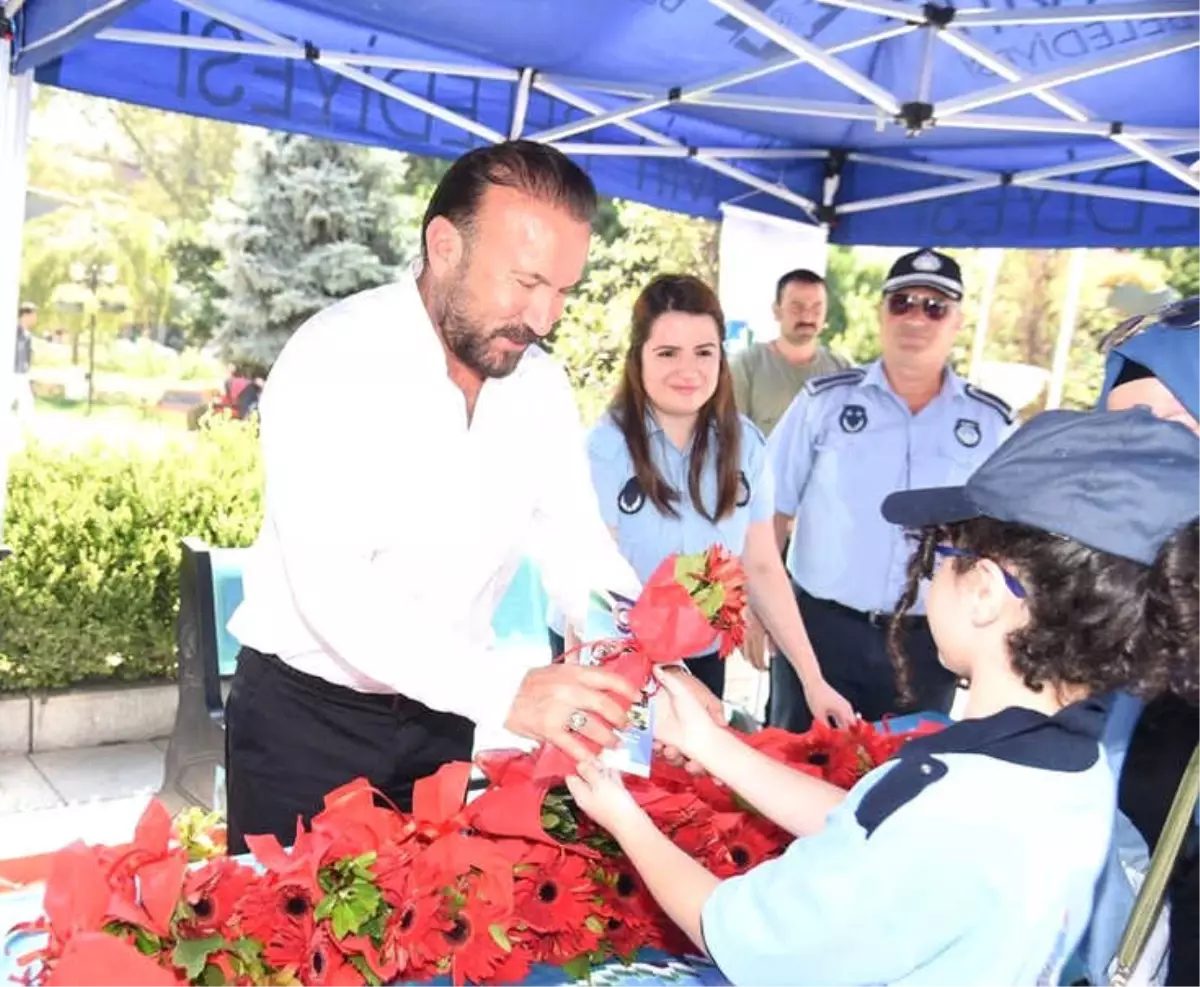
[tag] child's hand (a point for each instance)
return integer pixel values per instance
(599, 791)
(682, 719)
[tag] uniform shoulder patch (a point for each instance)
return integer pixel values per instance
(843, 378)
(997, 404)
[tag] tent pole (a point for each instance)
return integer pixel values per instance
(925, 85)
(16, 92)
(1062, 76)
(993, 260)
(521, 104)
(1066, 327)
(837, 70)
(1072, 109)
(983, 17)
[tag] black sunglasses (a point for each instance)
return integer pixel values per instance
(1183, 314)
(901, 303)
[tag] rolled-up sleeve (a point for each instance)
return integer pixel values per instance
(839, 908)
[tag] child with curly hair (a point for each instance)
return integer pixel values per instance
(970, 857)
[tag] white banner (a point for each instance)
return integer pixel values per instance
(756, 250)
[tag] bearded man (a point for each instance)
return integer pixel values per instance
(394, 522)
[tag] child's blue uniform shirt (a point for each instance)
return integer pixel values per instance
(969, 858)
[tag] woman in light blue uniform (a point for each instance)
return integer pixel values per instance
(677, 469)
(970, 857)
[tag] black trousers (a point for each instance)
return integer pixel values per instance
(709, 669)
(291, 738)
(852, 653)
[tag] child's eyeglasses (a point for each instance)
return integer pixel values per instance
(1011, 581)
(901, 303)
(1179, 315)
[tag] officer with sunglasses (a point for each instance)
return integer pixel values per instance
(849, 440)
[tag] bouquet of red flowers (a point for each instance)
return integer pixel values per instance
(688, 602)
(368, 895)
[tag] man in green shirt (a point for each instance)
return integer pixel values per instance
(767, 376)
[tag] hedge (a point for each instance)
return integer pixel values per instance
(91, 591)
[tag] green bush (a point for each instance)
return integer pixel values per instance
(91, 591)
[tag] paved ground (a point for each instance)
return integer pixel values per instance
(48, 800)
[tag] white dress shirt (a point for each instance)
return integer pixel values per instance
(393, 525)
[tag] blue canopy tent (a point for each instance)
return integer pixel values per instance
(1030, 123)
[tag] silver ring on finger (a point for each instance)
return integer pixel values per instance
(577, 721)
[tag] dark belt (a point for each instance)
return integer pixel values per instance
(874, 618)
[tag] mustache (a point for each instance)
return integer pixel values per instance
(524, 336)
(516, 334)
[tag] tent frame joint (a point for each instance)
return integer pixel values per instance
(939, 15)
(7, 27)
(916, 116)
(311, 52)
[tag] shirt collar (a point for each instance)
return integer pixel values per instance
(952, 384)
(1067, 741)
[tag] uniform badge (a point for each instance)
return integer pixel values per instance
(743, 496)
(853, 418)
(966, 430)
(926, 263)
(632, 497)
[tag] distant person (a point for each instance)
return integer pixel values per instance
(768, 376)
(27, 316)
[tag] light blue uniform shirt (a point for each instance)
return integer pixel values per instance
(645, 535)
(848, 441)
(970, 858)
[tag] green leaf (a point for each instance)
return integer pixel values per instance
(212, 976)
(325, 908)
(345, 921)
(501, 937)
(146, 943)
(579, 968)
(247, 950)
(549, 821)
(191, 955)
(595, 924)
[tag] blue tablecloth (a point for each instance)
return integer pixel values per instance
(650, 967)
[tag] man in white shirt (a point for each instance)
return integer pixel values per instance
(393, 526)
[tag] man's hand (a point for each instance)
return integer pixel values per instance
(757, 644)
(551, 698)
(827, 705)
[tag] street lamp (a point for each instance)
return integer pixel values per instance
(91, 276)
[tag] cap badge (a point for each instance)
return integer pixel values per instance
(926, 263)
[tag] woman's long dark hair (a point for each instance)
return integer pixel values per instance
(680, 293)
(1172, 637)
(1087, 608)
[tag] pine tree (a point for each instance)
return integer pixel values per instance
(317, 221)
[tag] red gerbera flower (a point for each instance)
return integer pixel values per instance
(413, 935)
(279, 914)
(213, 892)
(556, 897)
(475, 950)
